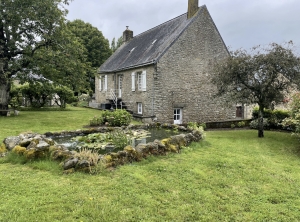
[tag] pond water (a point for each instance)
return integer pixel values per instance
(145, 137)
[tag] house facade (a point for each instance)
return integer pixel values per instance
(164, 75)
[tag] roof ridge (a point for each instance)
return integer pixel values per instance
(160, 25)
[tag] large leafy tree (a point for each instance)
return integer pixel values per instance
(26, 27)
(96, 45)
(264, 76)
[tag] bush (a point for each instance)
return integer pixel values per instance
(194, 125)
(241, 124)
(254, 124)
(293, 121)
(119, 117)
(97, 121)
(275, 117)
(119, 139)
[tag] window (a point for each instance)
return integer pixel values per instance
(140, 108)
(141, 81)
(133, 81)
(105, 83)
(100, 84)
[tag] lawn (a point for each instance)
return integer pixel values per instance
(230, 176)
(46, 121)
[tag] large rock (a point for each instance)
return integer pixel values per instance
(70, 163)
(11, 142)
(42, 145)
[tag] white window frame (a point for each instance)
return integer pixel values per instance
(100, 84)
(105, 83)
(144, 83)
(140, 80)
(140, 108)
(133, 82)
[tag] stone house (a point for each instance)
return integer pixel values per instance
(163, 74)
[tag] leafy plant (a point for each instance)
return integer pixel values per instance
(241, 124)
(119, 139)
(97, 121)
(254, 124)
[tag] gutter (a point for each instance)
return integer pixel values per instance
(129, 67)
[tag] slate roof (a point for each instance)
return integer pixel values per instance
(147, 47)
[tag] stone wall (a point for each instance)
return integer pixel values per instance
(183, 75)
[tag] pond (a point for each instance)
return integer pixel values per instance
(108, 142)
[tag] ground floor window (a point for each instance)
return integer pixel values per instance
(140, 108)
(177, 116)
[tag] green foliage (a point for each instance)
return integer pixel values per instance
(293, 122)
(263, 76)
(39, 94)
(275, 117)
(232, 125)
(97, 49)
(26, 28)
(194, 125)
(119, 139)
(118, 117)
(95, 141)
(254, 124)
(63, 95)
(114, 46)
(97, 121)
(241, 124)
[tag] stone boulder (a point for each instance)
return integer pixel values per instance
(11, 142)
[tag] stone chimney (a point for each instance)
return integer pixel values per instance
(192, 8)
(127, 35)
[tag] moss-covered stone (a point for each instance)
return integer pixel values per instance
(129, 149)
(19, 150)
(2, 148)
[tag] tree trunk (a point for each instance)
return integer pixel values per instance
(4, 91)
(4, 95)
(261, 122)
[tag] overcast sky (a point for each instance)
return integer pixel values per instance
(241, 23)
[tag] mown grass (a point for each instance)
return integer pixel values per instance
(230, 176)
(46, 121)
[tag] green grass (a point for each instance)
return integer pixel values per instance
(231, 176)
(46, 121)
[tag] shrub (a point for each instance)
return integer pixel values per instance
(275, 117)
(97, 121)
(194, 125)
(232, 125)
(254, 124)
(293, 122)
(119, 117)
(119, 139)
(241, 124)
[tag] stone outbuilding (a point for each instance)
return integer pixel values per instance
(163, 74)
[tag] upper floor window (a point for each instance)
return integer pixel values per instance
(139, 80)
(103, 83)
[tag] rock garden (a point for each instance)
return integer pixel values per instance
(101, 147)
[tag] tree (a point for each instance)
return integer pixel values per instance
(261, 77)
(114, 46)
(26, 26)
(96, 45)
